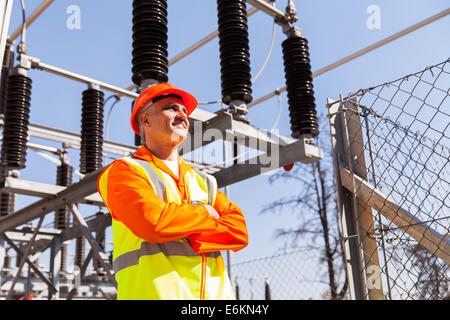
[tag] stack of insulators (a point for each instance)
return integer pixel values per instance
(79, 251)
(16, 118)
(91, 131)
(6, 265)
(8, 61)
(299, 87)
(149, 41)
(63, 178)
(7, 201)
(234, 51)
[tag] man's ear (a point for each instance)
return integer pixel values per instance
(144, 120)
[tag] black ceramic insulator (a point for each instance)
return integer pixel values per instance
(7, 201)
(63, 178)
(17, 114)
(234, 51)
(91, 131)
(299, 87)
(79, 251)
(7, 65)
(149, 41)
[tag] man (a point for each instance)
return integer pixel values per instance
(169, 220)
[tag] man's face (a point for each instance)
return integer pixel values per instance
(167, 119)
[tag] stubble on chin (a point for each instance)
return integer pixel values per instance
(178, 135)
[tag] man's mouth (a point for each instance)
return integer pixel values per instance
(179, 123)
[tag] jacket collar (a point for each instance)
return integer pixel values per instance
(145, 154)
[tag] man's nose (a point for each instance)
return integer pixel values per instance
(181, 111)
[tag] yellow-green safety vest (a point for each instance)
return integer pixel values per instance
(171, 270)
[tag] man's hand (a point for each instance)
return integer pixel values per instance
(212, 212)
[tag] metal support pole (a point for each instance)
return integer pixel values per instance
(30, 264)
(98, 253)
(5, 16)
(24, 257)
(83, 269)
(357, 165)
(352, 250)
(2, 256)
(28, 285)
(55, 266)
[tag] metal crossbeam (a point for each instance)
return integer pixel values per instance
(43, 190)
(223, 126)
(97, 251)
(72, 194)
(299, 151)
(30, 264)
(436, 243)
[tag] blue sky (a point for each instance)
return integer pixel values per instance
(101, 49)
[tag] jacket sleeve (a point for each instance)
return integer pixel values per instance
(130, 198)
(230, 232)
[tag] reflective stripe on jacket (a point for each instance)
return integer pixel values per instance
(186, 266)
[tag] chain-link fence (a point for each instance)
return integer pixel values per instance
(391, 154)
(293, 275)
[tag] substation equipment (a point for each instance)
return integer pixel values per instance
(150, 66)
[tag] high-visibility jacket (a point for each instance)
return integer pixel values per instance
(166, 245)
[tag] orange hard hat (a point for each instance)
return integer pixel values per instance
(159, 90)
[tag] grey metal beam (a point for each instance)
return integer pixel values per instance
(30, 263)
(5, 16)
(55, 266)
(98, 223)
(72, 139)
(275, 13)
(24, 257)
(97, 250)
(299, 151)
(82, 272)
(223, 126)
(72, 194)
(347, 214)
(43, 190)
(2, 255)
(429, 238)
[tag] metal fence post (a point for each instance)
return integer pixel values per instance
(364, 216)
(352, 250)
